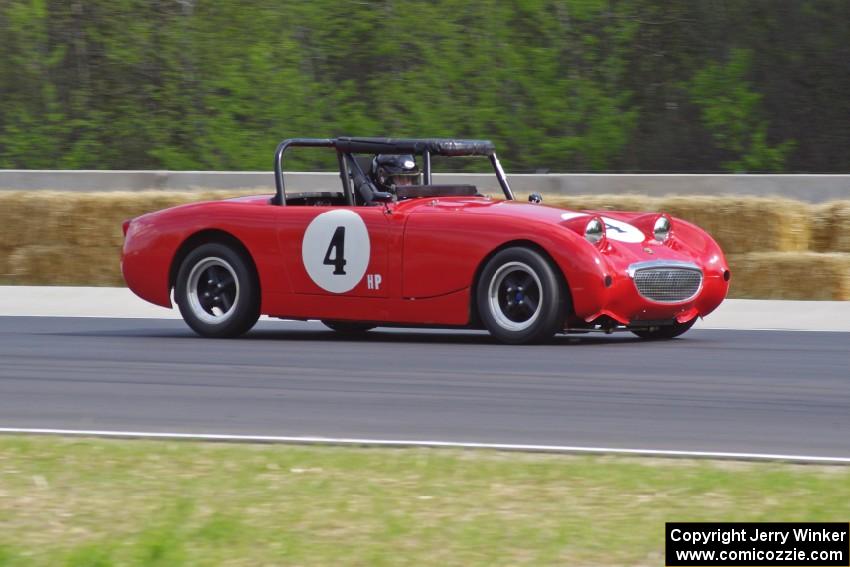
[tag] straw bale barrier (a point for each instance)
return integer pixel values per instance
(5, 254)
(85, 219)
(65, 264)
(74, 238)
(831, 227)
(790, 275)
(625, 202)
(739, 224)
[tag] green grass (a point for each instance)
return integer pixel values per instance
(102, 503)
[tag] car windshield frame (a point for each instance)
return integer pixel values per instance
(346, 147)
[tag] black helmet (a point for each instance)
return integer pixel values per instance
(389, 170)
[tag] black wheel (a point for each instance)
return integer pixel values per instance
(217, 291)
(520, 297)
(666, 331)
(348, 327)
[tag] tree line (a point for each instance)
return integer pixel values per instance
(568, 85)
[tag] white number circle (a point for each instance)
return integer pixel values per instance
(335, 250)
(614, 229)
(622, 231)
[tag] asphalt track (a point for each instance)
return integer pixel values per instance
(777, 392)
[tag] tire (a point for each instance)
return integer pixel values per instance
(520, 297)
(217, 291)
(348, 327)
(666, 332)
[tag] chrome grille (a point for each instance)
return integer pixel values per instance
(667, 284)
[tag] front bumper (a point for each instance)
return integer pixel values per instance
(673, 293)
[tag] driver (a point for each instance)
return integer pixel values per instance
(390, 171)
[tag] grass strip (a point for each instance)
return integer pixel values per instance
(83, 502)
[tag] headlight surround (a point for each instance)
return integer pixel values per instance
(594, 230)
(661, 229)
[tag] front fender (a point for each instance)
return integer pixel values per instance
(583, 265)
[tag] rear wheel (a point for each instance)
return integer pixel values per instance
(217, 291)
(520, 297)
(348, 327)
(666, 331)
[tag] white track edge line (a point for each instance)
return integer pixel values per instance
(312, 440)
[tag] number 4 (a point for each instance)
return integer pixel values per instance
(337, 244)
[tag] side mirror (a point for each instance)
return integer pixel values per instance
(535, 198)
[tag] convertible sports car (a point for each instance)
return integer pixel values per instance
(422, 255)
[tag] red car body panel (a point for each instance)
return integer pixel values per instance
(427, 253)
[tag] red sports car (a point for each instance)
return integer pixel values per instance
(391, 248)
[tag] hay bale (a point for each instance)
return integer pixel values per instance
(790, 275)
(75, 238)
(5, 270)
(746, 224)
(831, 227)
(739, 224)
(625, 202)
(84, 219)
(21, 216)
(65, 264)
(96, 218)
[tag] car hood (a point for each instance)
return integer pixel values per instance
(628, 233)
(617, 222)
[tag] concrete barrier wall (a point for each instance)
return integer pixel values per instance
(804, 187)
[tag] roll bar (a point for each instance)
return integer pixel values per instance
(280, 196)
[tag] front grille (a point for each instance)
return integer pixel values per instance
(668, 284)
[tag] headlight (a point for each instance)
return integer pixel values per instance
(594, 231)
(661, 230)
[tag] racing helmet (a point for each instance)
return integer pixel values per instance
(390, 171)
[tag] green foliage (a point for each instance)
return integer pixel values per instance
(558, 84)
(730, 110)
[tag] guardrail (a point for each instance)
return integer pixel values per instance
(805, 187)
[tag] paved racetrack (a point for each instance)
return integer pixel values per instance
(730, 391)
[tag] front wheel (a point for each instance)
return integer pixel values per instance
(666, 331)
(520, 297)
(217, 291)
